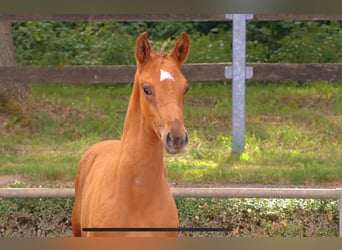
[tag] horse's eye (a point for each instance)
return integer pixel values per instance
(147, 90)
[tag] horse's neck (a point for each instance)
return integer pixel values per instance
(141, 159)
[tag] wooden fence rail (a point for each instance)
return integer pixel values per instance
(162, 17)
(193, 72)
(193, 192)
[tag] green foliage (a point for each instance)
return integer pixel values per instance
(244, 217)
(210, 48)
(294, 42)
(261, 217)
(61, 43)
(35, 218)
(64, 43)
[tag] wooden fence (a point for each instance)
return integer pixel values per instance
(194, 72)
(162, 17)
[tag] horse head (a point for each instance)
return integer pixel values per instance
(162, 88)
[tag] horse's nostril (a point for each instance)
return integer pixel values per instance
(169, 139)
(176, 140)
(186, 140)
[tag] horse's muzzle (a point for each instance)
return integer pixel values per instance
(175, 142)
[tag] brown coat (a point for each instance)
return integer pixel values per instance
(122, 184)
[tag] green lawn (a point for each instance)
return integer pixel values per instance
(294, 133)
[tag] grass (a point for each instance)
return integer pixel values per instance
(293, 137)
(293, 133)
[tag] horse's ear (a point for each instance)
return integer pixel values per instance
(142, 49)
(182, 49)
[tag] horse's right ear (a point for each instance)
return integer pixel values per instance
(142, 49)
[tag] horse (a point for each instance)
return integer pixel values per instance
(123, 183)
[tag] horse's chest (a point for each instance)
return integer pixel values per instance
(138, 210)
(145, 210)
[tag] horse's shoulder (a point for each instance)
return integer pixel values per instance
(93, 157)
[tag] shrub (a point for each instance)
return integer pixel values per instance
(82, 43)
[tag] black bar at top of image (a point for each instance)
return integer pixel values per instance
(155, 229)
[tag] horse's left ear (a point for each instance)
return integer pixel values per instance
(182, 49)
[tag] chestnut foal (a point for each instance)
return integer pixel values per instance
(123, 183)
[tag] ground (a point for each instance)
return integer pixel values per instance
(7, 179)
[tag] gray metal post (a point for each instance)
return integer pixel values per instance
(239, 73)
(340, 215)
(339, 194)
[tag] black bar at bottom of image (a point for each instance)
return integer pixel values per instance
(155, 229)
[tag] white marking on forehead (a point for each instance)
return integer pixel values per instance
(165, 75)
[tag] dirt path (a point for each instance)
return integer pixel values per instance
(7, 179)
(10, 179)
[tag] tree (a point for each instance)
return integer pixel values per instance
(14, 96)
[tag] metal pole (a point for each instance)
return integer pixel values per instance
(340, 215)
(194, 192)
(28, 193)
(239, 73)
(339, 194)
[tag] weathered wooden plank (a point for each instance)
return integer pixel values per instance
(193, 72)
(297, 17)
(204, 71)
(100, 74)
(193, 192)
(114, 17)
(161, 17)
(69, 74)
(297, 72)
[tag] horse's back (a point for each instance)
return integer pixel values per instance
(99, 151)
